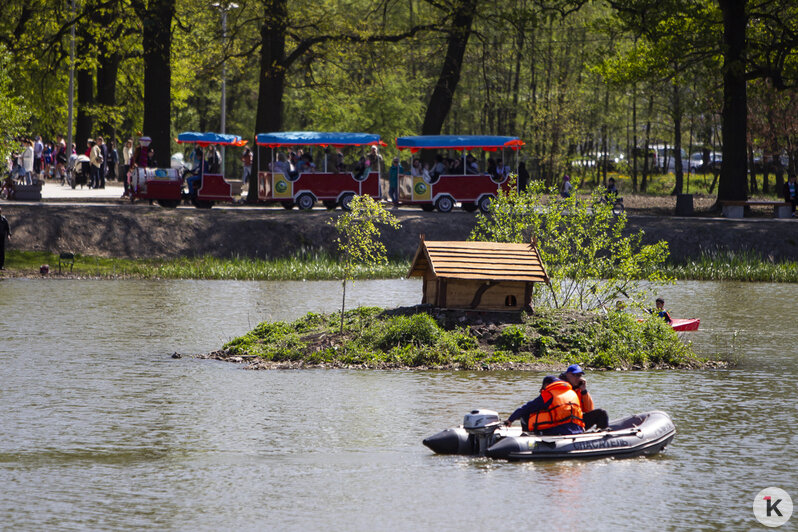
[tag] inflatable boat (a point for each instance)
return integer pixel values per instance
(483, 434)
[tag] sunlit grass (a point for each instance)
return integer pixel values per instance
(304, 267)
(663, 184)
(715, 266)
(735, 266)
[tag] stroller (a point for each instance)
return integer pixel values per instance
(77, 170)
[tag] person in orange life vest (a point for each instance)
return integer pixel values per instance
(555, 411)
(575, 376)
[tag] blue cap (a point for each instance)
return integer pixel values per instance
(575, 369)
(548, 379)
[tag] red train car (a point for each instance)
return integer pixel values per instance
(304, 187)
(165, 185)
(441, 190)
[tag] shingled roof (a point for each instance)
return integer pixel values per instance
(479, 260)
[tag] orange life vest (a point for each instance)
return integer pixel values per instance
(564, 408)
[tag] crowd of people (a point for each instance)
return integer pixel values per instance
(35, 160)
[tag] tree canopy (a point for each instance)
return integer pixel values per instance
(579, 81)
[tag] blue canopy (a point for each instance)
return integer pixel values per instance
(460, 142)
(315, 138)
(204, 139)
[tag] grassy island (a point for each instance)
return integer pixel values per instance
(425, 338)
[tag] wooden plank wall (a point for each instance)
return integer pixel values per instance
(460, 294)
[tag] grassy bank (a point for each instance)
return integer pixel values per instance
(310, 267)
(423, 338)
(730, 266)
(723, 266)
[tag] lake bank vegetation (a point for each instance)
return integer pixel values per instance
(709, 266)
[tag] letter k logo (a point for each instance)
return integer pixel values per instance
(772, 506)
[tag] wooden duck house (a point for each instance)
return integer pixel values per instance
(478, 275)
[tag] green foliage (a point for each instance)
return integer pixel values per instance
(417, 330)
(589, 258)
(512, 338)
(14, 114)
(358, 237)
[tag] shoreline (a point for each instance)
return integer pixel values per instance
(249, 362)
(741, 267)
(150, 232)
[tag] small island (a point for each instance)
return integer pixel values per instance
(477, 313)
(423, 337)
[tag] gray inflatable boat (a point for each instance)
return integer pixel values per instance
(482, 434)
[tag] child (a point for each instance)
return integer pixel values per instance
(662, 313)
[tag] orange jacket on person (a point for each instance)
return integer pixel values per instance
(564, 407)
(585, 401)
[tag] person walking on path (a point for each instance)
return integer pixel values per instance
(96, 160)
(246, 160)
(38, 149)
(103, 160)
(127, 159)
(27, 162)
(5, 232)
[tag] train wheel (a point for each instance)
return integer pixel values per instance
(469, 207)
(444, 204)
(169, 204)
(484, 203)
(427, 207)
(288, 205)
(203, 204)
(305, 202)
(345, 201)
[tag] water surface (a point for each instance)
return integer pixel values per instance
(101, 429)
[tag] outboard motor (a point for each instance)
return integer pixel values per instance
(480, 426)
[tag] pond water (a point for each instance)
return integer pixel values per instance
(102, 429)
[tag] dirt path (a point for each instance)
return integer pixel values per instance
(144, 231)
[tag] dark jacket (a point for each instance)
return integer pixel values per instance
(786, 191)
(5, 229)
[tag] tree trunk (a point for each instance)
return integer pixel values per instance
(646, 165)
(732, 184)
(605, 161)
(634, 138)
(157, 46)
(269, 115)
(106, 89)
(85, 94)
(511, 125)
(443, 94)
(677, 141)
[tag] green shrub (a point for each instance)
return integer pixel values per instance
(512, 338)
(418, 330)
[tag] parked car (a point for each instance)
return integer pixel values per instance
(713, 162)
